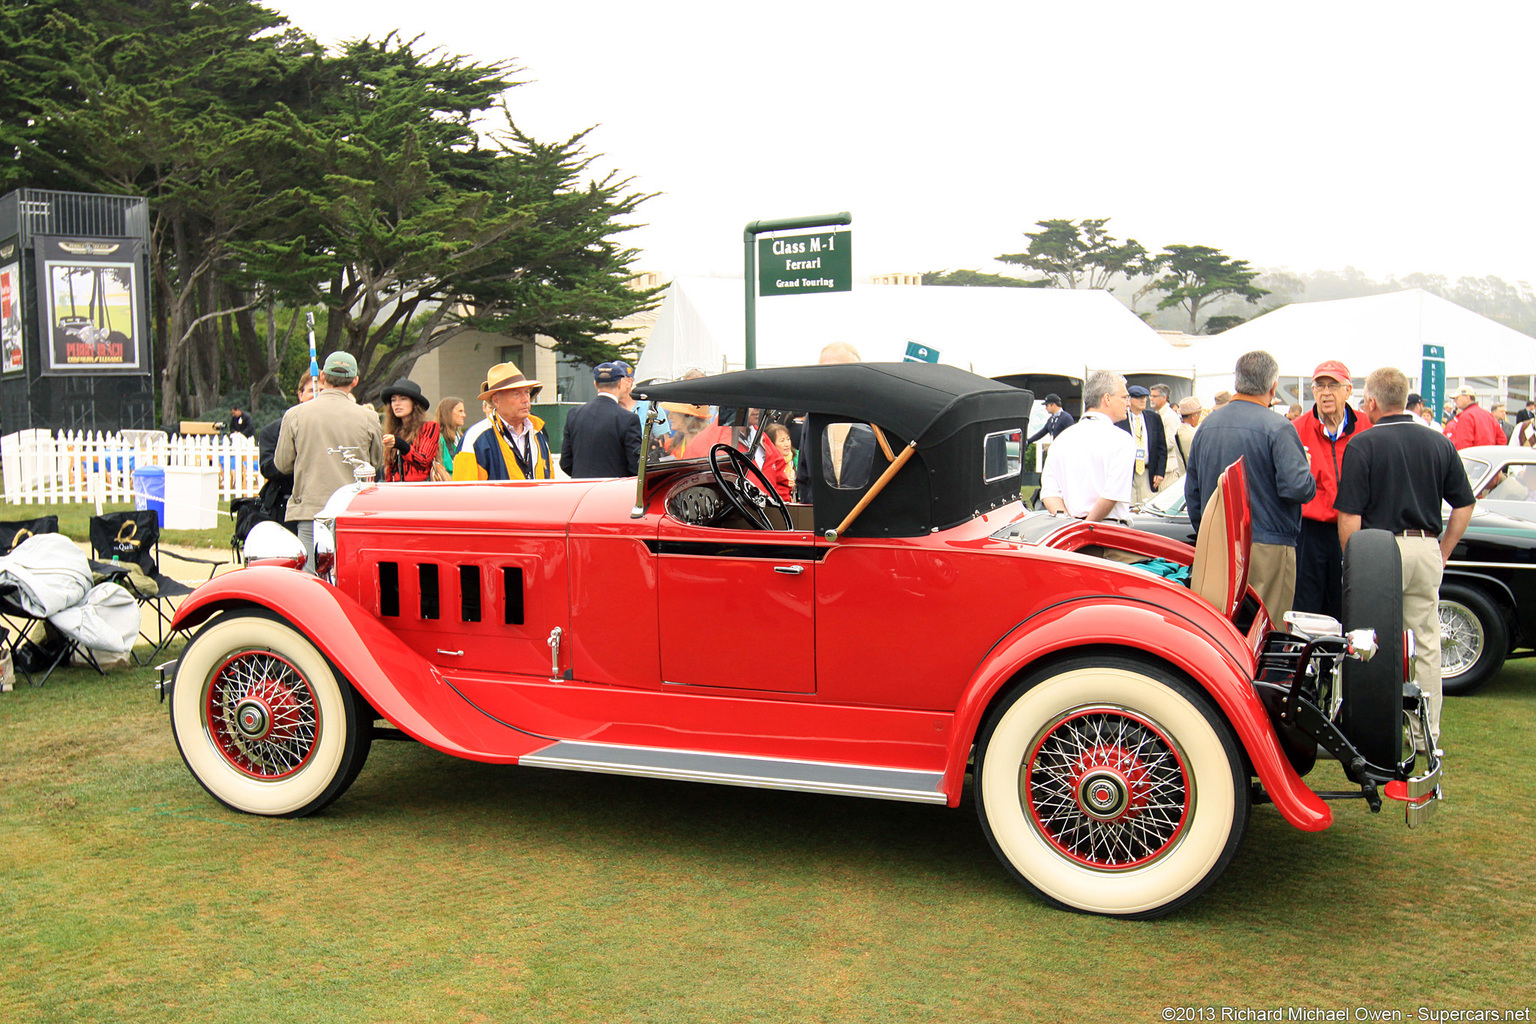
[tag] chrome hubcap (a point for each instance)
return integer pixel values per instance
(1103, 794)
(253, 718)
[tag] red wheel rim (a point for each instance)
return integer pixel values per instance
(1106, 788)
(261, 715)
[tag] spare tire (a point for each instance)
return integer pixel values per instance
(1372, 715)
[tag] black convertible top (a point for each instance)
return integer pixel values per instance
(925, 401)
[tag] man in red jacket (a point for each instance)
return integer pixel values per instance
(1325, 430)
(1473, 424)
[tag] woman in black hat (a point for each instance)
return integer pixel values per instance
(410, 438)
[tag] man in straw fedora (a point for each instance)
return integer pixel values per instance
(516, 446)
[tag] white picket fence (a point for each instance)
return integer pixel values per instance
(41, 468)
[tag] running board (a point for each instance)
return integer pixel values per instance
(739, 770)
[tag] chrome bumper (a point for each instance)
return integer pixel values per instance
(1419, 794)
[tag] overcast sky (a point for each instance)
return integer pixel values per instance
(1393, 137)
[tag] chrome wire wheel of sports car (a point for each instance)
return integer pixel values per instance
(1112, 787)
(1474, 639)
(1461, 638)
(263, 721)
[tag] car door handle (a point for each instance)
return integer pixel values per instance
(789, 570)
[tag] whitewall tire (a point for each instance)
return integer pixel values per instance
(1111, 787)
(263, 721)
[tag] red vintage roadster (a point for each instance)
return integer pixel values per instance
(908, 628)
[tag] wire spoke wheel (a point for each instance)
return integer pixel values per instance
(1461, 638)
(263, 720)
(1107, 788)
(262, 715)
(1111, 786)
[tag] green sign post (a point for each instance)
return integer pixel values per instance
(1432, 379)
(837, 272)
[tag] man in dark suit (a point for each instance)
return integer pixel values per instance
(602, 438)
(1059, 420)
(1146, 429)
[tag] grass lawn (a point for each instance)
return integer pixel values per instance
(440, 889)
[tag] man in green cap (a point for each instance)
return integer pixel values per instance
(310, 431)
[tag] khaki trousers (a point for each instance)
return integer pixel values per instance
(1141, 486)
(1422, 569)
(1272, 572)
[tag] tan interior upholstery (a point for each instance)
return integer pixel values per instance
(1222, 550)
(1210, 573)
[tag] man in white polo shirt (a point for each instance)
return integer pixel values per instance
(1088, 475)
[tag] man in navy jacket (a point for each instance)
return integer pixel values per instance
(602, 438)
(1275, 466)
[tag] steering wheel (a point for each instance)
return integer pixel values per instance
(751, 492)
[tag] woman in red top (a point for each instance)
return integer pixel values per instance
(410, 438)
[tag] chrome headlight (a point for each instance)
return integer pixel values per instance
(270, 543)
(325, 549)
(325, 528)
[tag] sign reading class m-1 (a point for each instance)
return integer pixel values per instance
(795, 264)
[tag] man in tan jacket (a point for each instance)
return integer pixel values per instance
(309, 431)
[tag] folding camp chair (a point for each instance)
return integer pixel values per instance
(121, 541)
(34, 661)
(15, 621)
(14, 531)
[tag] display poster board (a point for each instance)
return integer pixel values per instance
(12, 359)
(91, 307)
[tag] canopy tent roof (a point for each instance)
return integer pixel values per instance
(1366, 333)
(993, 332)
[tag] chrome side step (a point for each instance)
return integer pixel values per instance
(738, 770)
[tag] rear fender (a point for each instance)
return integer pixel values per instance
(400, 684)
(1218, 664)
(1477, 579)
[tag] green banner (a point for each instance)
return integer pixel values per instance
(798, 264)
(1432, 380)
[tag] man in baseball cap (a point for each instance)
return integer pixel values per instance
(515, 446)
(333, 419)
(1473, 424)
(1058, 420)
(1146, 429)
(1325, 430)
(602, 438)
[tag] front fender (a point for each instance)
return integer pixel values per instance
(1143, 627)
(401, 685)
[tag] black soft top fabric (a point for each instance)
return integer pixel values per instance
(926, 401)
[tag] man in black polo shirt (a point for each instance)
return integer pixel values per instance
(1393, 478)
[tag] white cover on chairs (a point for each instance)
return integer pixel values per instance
(52, 577)
(107, 620)
(49, 571)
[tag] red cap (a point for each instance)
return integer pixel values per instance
(1332, 368)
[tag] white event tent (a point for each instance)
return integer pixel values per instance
(996, 332)
(1369, 332)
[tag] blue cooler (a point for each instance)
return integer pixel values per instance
(149, 491)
